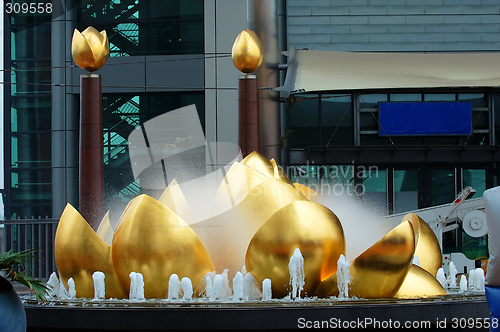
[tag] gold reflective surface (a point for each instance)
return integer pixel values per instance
(90, 49)
(428, 249)
(227, 235)
(80, 252)
(154, 241)
(381, 269)
(279, 173)
(309, 226)
(259, 163)
(305, 190)
(105, 230)
(174, 199)
(247, 53)
(420, 283)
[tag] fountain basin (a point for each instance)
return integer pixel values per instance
(204, 315)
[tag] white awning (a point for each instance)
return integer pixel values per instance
(330, 71)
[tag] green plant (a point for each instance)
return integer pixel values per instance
(10, 261)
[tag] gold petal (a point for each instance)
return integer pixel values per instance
(103, 52)
(227, 235)
(420, 283)
(105, 230)
(174, 199)
(381, 269)
(247, 52)
(258, 162)
(81, 51)
(309, 226)
(79, 252)
(428, 249)
(238, 182)
(154, 241)
(305, 190)
(279, 173)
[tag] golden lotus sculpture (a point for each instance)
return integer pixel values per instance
(247, 52)
(267, 218)
(90, 49)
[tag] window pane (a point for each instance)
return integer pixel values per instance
(304, 112)
(337, 120)
(476, 178)
(442, 186)
(31, 114)
(374, 183)
(439, 97)
(405, 190)
(406, 97)
(31, 150)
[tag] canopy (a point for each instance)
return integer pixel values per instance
(330, 71)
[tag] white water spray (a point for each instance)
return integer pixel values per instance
(71, 288)
(99, 285)
(441, 277)
(343, 277)
(453, 276)
(187, 288)
(174, 287)
(238, 286)
(53, 282)
(463, 284)
(266, 290)
(297, 277)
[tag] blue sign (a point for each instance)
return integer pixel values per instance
(425, 118)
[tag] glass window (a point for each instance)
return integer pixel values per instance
(476, 178)
(371, 101)
(439, 97)
(304, 112)
(405, 190)
(31, 114)
(30, 77)
(30, 42)
(476, 99)
(31, 150)
(337, 120)
(406, 97)
(442, 186)
(147, 27)
(374, 187)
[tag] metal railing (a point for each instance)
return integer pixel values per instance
(24, 234)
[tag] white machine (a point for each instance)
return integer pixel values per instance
(447, 217)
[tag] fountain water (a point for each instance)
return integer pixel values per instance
(209, 290)
(99, 286)
(472, 278)
(463, 284)
(479, 279)
(218, 287)
(136, 286)
(441, 277)
(71, 288)
(266, 290)
(452, 276)
(187, 288)
(53, 282)
(174, 287)
(297, 277)
(238, 286)
(343, 277)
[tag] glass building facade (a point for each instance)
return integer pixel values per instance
(134, 28)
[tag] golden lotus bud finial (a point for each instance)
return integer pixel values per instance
(90, 49)
(247, 52)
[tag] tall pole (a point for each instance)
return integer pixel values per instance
(91, 184)
(248, 115)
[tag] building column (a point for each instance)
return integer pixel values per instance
(64, 126)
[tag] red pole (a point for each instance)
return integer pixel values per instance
(91, 150)
(248, 119)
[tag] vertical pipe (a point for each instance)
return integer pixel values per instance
(263, 20)
(91, 150)
(248, 117)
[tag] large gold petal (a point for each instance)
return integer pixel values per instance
(420, 283)
(309, 226)
(238, 182)
(227, 235)
(174, 199)
(305, 190)
(79, 252)
(105, 230)
(428, 249)
(154, 241)
(279, 173)
(258, 162)
(247, 52)
(381, 269)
